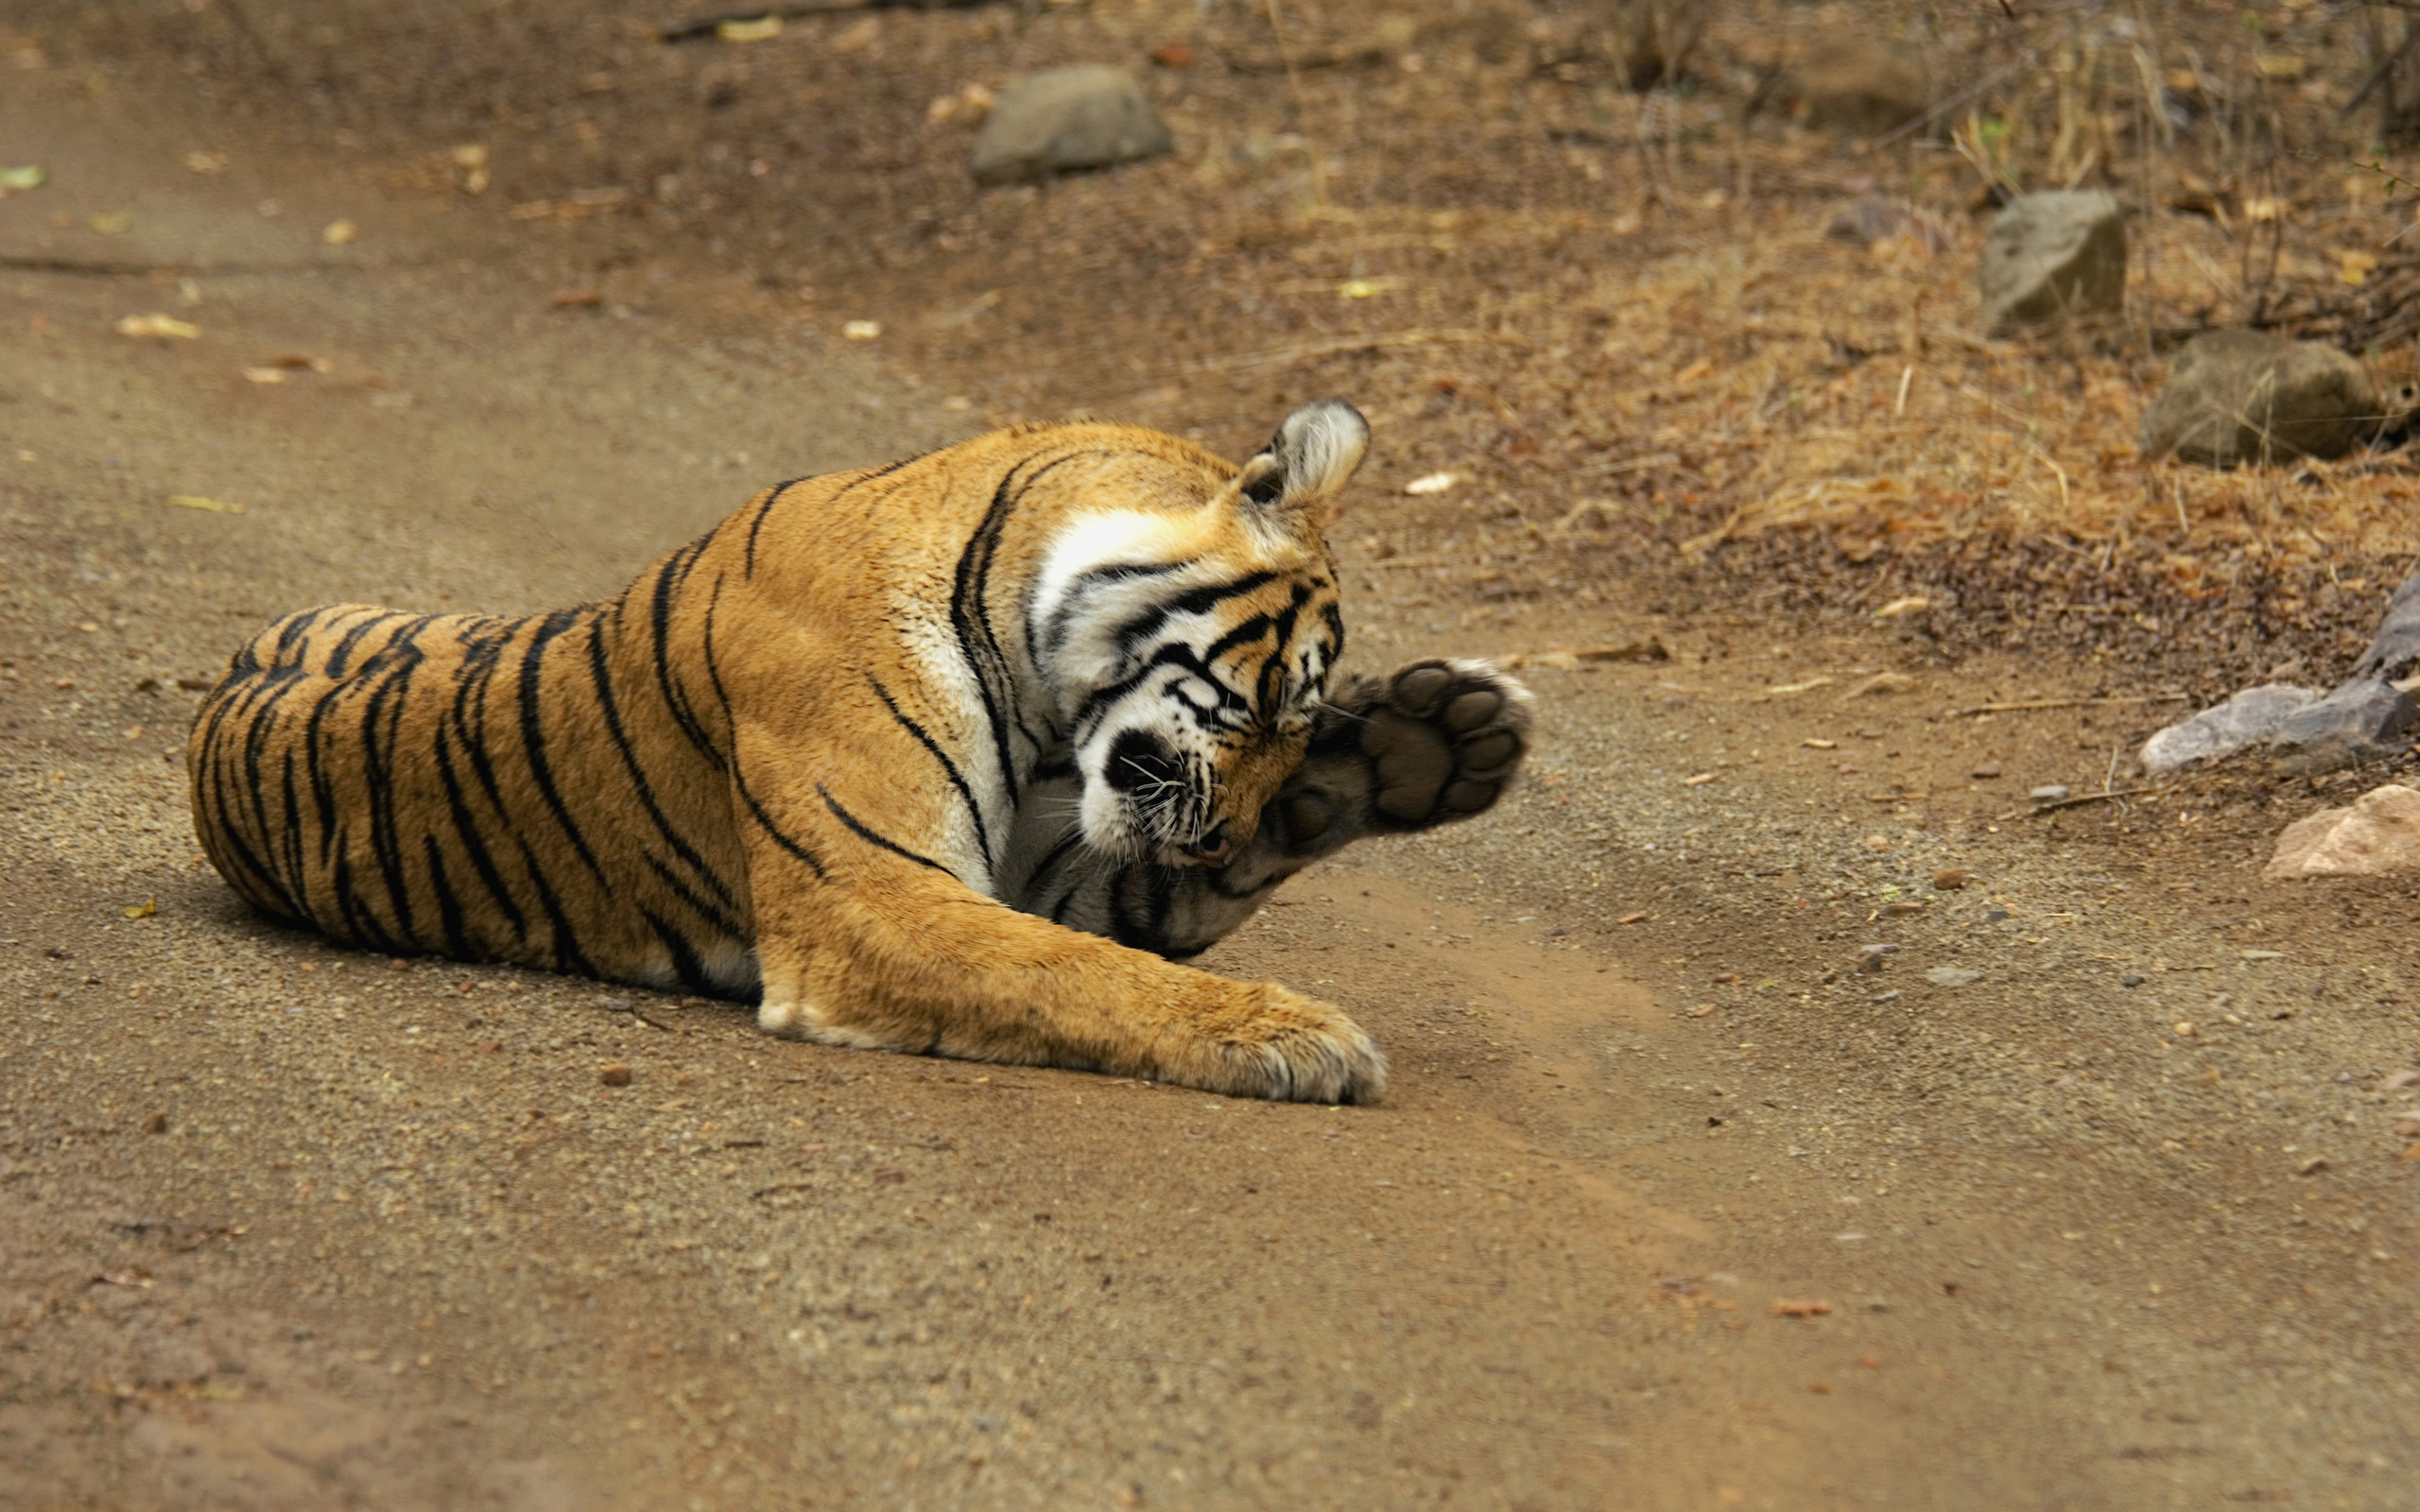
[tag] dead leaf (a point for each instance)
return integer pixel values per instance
(1801, 1307)
(158, 325)
(17, 181)
(143, 909)
(263, 376)
(112, 223)
(194, 501)
(338, 233)
(1783, 690)
(578, 298)
(209, 163)
(862, 330)
(1432, 483)
(764, 29)
(1903, 606)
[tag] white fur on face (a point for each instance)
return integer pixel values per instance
(1098, 611)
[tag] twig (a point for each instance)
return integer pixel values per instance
(1329, 349)
(707, 25)
(2066, 703)
(2054, 805)
(83, 267)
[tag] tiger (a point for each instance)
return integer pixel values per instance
(964, 755)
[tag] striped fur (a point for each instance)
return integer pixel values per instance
(854, 750)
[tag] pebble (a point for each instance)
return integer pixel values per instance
(2131, 980)
(2050, 793)
(1953, 975)
(1949, 879)
(2406, 1125)
(2395, 1081)
(2312, 1166)
(1984, 773)
(616, 1074)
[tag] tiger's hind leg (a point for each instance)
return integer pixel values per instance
(1432, 742)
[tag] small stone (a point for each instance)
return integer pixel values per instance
(2248, 396)
(156, 1124)
(2052, 256)
(2379, 834)
(1953, 975)
(2312, 1166)
(1949, 879)
(1877, 842)
(1984, 773)
(616, 1074)
(2131, 979)
(2395, 1081)
(2050, 793)
(1064, 119)
(2406, 1125)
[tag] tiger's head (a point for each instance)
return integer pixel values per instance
(1190, 638)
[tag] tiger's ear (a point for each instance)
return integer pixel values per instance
(1307, 463)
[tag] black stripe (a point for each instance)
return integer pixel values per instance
(863, 832)
(981, 838)
(772, 495)
(533, 737)
(775, 831)
(970, 616)
(686, 964)
(607, 704)
(466, 829)
(1192, 601)
(674, 574)
(1054, 635)
(1074, 838)
(739, 776)
(565, 940)
(448, 908)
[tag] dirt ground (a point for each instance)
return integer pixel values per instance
(1683, 1196)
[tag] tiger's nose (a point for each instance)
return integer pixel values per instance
(1211, 846)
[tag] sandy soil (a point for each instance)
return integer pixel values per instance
(2121, 1222)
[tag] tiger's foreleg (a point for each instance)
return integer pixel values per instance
(1432, 742)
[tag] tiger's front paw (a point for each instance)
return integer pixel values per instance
(1288, 1049)
(1444, 740)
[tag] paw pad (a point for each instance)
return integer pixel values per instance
(1444, 741)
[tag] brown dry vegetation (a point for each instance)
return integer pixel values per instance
(1616, 312)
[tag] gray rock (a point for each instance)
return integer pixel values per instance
(2252, 717)
(1063, 119)
(2052, 256)
(1863, 86)
(2247, 396)
(1953, 976)
(2050, 793)
(2363, 721)
(2395, 655)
